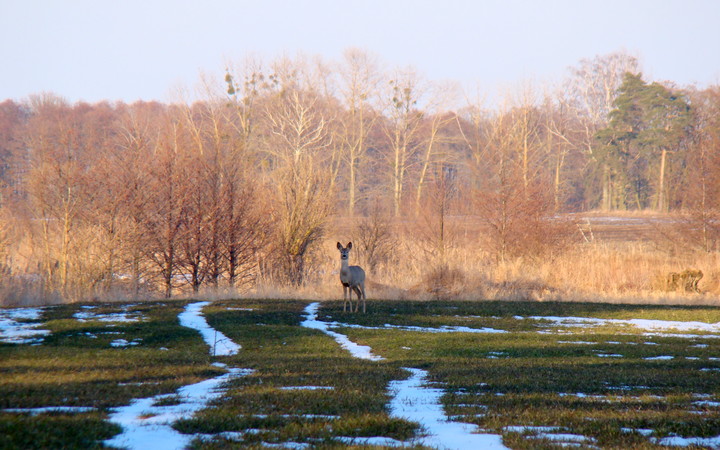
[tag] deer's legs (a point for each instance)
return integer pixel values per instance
(347, 297)
(359, 296)
(362, 288)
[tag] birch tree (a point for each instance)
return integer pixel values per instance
(402, 126)
(360, 78)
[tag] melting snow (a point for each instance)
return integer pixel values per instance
(14, 332)
(124, 343)
(307, 388)
(146, 425)
(442, 329)
(358, 351)
(51, 409)
(643, 324)
(677, 441)
(220, 345)
(412, 401)
(88, 314)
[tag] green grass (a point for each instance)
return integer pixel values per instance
(570, 379)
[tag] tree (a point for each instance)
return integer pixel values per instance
(166, 206)
(402, 130)
(56, 184)
(510, 194)
(701, 227)
(592, 88)
(646, 123)
(359, 83)
(437, 138)
(297, 140)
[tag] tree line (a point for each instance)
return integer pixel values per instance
(242, 184)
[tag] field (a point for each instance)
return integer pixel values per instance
(293, 373)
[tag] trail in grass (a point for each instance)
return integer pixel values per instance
(220, 345)
(147, 422)
(418, 403)
(414, 401)
(358, 351)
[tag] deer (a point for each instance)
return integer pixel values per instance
(352, 279)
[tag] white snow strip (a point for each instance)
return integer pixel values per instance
(642, 324)
(417, 403)
(87, 314)
(376, 441)
(356, 350)
(14, 332)
(307, 388)
(678, 441)
(146, 425)
(220, 345)
(50, 409)
(555, 434)
(564, 438)
(641, 431)
(442, 329)
(119, 343)
(525, 429)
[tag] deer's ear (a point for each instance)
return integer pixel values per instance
(349, 246)
(339, 246)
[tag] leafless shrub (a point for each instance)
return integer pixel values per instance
(444, 282)
(374, 238)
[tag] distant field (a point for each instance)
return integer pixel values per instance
(518, 374)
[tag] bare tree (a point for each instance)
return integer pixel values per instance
(360, 79)
(56, 184)
(375, 237)
(402, 127)
(166, 207)
(298, 136)
(437, 133)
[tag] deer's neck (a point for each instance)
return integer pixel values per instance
(344, 266)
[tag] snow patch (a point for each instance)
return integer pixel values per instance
(50, 409)
(220, 345)
(642, 324)
(14, 332)
(119, 343)
(307, 388)
(678, 441)
(442, 329)
(417, 403)
(356, 350)
(126, 316)
(146, 425)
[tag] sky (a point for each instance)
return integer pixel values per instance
(128, 50)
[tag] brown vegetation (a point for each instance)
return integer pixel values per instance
(246, 192)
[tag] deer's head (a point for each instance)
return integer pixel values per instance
(344, 251)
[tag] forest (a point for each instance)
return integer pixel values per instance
(247, 188)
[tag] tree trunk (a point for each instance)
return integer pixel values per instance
(661, 184)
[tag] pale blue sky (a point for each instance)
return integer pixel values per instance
(144, 49)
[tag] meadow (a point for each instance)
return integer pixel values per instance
(305, 374)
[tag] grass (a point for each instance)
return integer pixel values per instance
(534, 374)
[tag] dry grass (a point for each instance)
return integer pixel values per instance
(620, 265)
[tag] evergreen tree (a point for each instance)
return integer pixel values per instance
(648, 121)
